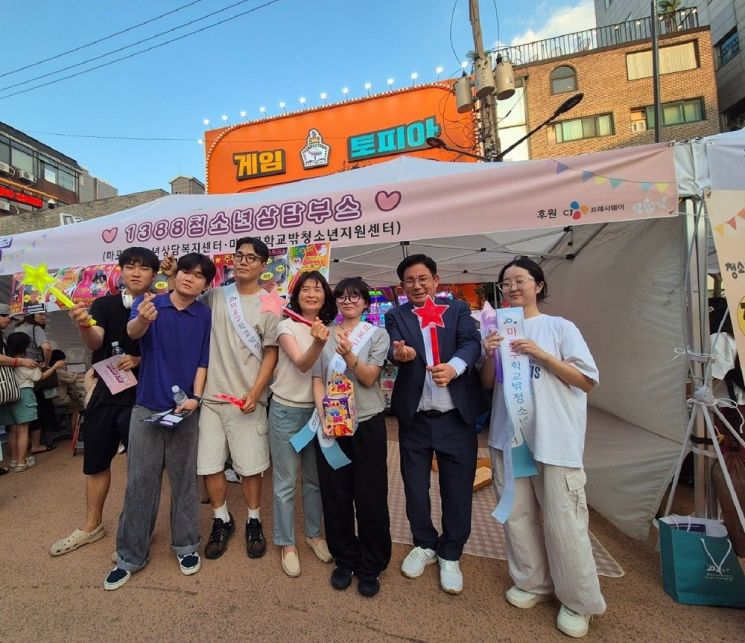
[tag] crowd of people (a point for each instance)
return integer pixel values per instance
(248, 384)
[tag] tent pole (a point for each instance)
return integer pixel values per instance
(698, 341)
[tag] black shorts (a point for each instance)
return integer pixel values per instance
(104, 427)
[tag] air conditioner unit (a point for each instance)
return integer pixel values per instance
(638, 126)
(26, 176)
(5, 168)
(4, 206)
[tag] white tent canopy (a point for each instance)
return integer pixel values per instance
(614, 255)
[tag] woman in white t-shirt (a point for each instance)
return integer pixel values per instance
(548, 544)
(291, 407)
(723, 361)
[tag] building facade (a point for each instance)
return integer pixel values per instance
(34, 176)
(615, 75)
(726, 18)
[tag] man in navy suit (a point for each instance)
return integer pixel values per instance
(436, 407)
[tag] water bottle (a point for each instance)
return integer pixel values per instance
(179, 397)
(116, 349)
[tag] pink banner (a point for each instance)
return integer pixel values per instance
(367, 206)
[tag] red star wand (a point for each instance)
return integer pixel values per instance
(430, 316)
(272, 303)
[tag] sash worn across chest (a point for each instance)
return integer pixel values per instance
(361, 334)
(246, 333)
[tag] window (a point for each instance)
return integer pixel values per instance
(48, 170)
(4, 151)
(66, 180)
(563, 79)
(587, 127)
(22, 160)
(674, 58)
(727, 48)
(677, 113)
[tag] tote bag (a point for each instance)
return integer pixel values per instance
(9, 391)
(699, 566)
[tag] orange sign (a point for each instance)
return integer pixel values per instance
(255, 155)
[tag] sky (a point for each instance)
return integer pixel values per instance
(276, 51)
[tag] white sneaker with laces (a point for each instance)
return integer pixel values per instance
(417, 559)
(451, 580)
(573, 624)
(523, 599)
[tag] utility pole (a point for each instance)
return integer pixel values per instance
(657, 107)
(488, 126)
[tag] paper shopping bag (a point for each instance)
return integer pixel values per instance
(699, 566)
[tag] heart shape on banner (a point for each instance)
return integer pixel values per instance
(387, 201)
(109, 234)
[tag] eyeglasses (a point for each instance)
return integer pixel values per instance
(422, 281)
(352, 299)
(517, 283)
(239, 257)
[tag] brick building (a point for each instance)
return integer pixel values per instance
(34, 176)
(616, 80)
(726, 19)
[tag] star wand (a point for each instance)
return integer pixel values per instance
(39, 278)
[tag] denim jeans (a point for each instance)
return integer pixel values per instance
(153, 448)
(284, 423)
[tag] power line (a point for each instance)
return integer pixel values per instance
(142, 51)
(134, 44)
(95, 42)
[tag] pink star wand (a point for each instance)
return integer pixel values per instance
(271, 302)
(430, 316)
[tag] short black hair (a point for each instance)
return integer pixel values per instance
(143, 256)
(353, 286)
(412, 260)
(57, 356)
(535, 271)
(328, 311)
(17, 344)
(197, 260)
(260, 248)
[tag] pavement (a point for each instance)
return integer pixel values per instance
(234, 598)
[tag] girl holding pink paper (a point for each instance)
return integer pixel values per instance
(548, 544)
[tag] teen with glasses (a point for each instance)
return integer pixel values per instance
(548, 544)
(358, 490)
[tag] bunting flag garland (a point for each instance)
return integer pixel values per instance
(599, 179)
(732, 223)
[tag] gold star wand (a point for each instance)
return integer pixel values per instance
(39, 278)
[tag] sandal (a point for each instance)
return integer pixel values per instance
(76, 539)
(47, 447)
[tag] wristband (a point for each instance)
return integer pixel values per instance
(198, 399)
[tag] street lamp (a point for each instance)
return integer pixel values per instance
(569, 103)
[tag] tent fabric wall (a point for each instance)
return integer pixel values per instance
(623, 290)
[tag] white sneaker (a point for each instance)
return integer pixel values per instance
(451, 580)
(573, 624)
(525, 600)
(232, 476)
(417, 559)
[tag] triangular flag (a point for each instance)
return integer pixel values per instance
(741, 213)
(616, 182)
(646, 186)
(560, 167)
(586, 175)
(661, 187)
(599, 180)
(719, 230)
(733, 223)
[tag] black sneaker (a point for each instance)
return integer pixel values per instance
(219, 537)
(341, 578)
(116, 578)
(255, 541)
(368, 585)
